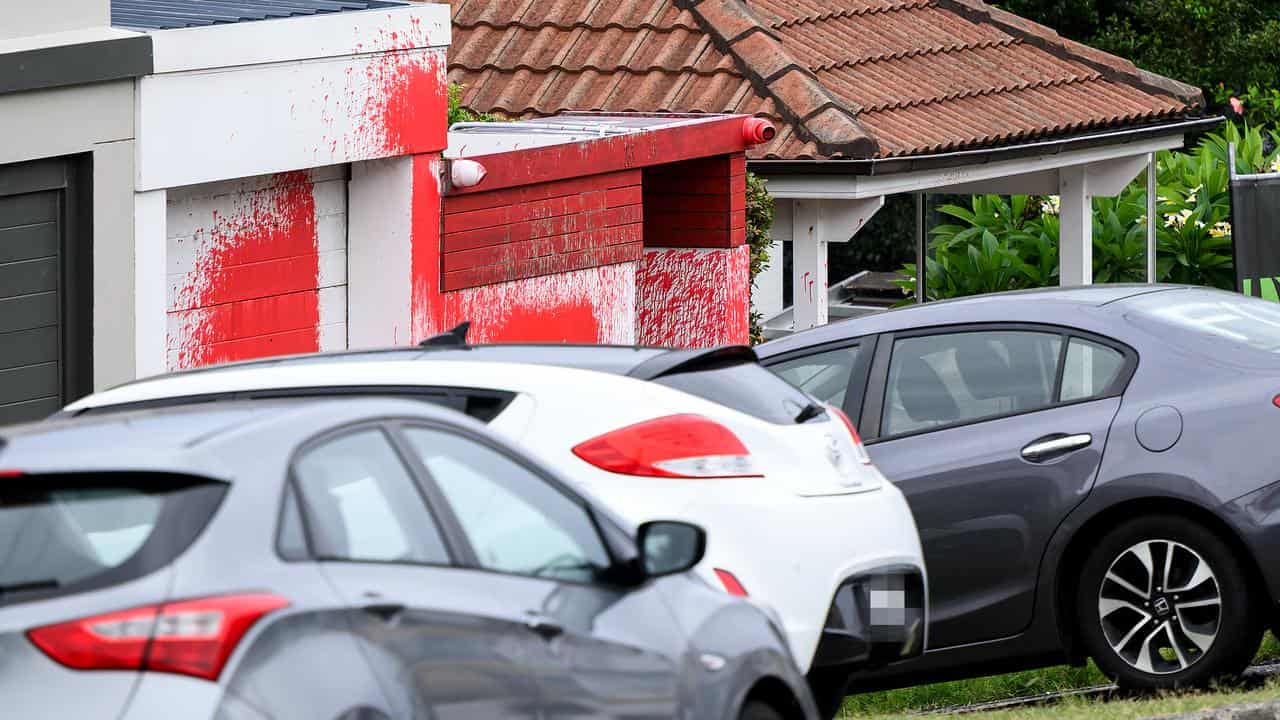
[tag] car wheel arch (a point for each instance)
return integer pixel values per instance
(1073, 556)
(774, 692)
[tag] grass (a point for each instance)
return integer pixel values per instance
(1054, 679)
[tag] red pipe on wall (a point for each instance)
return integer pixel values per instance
(757, 130)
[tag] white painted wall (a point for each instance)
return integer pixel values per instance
(40, 18)
(380, 263)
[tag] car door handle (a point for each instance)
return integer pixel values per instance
(1054, 445)
(543, 626)
(387, 612)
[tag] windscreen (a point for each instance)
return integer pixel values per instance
(748, 388)
(61, 534)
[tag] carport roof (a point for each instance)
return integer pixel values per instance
(841, 78)
(173, 14)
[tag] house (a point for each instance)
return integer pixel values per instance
(870, 97)
(185, 182)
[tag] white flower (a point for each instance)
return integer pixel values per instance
(1051, 205)
(1275, 165)
(1177, 220)
(1221, 229)
(1194, 194)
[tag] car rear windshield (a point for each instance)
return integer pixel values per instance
(61, 534)
(1222, 325)
(747, 388)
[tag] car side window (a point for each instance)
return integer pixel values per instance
(939, 380)
(824, 375)
(1090, 370)
(362, 504)
(515, 520)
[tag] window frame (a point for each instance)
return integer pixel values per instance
(292, 483)
(467, 556)
(859, 375)
(872, 411)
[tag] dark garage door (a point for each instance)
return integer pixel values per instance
(38, 337)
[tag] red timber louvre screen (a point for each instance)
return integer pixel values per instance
(693, 285)
(545, 262)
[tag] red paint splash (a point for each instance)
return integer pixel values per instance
(573, 320)
(425, 250)
(406, 109)
(253, 290)
(693, 298)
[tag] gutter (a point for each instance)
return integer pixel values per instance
(894, 165)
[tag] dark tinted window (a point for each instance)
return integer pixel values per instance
(1090, 370)
(824, 375)
(515, 520)
(746, 387)
(62, 533)
(938, 380)
(362, 504)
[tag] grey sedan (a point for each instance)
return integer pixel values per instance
(362, 559)
(1094, 472)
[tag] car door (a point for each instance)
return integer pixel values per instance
(603, 651)
(993, 433)
(443, 640)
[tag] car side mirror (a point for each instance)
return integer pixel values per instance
(668, 547)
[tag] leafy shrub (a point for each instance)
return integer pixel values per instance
(1012, 243)
(759, 220)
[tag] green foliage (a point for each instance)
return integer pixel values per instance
(759, 220)
(1201, 42)
(1011, 243)
(1261, 104)
(458, 114)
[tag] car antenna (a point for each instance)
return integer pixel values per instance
(456, 337)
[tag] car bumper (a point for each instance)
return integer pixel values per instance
(791, 553)
(875, 619)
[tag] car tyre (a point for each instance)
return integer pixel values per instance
(1164, 603)
(756, 710)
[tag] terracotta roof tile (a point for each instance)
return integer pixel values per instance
(840, 78)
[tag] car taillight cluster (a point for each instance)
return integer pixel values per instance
(192, 637)
(858, 450)
(676, 446)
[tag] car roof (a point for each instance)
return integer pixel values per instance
(615, 359)
(1039, 305)
(184, 438)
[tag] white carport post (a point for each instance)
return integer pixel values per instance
(1075, 232)
(813, 224)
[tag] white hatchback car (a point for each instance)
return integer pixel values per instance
(798, 517)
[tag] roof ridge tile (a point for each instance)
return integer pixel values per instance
(820, 117)
(1111, 66)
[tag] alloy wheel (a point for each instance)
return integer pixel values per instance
(1160, 606)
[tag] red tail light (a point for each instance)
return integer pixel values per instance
(10, 473)
(193, 637)
(858, 449)
(677, 446)
(730, 583)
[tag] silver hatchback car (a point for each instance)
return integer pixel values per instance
(358, 559)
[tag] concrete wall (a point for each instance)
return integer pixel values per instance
(49, 17)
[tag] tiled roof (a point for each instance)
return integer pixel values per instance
(841, 78)
(171, 14)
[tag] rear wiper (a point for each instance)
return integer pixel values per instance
(30, 586)
(810, 411)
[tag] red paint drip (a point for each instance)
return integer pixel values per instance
(253, 292)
